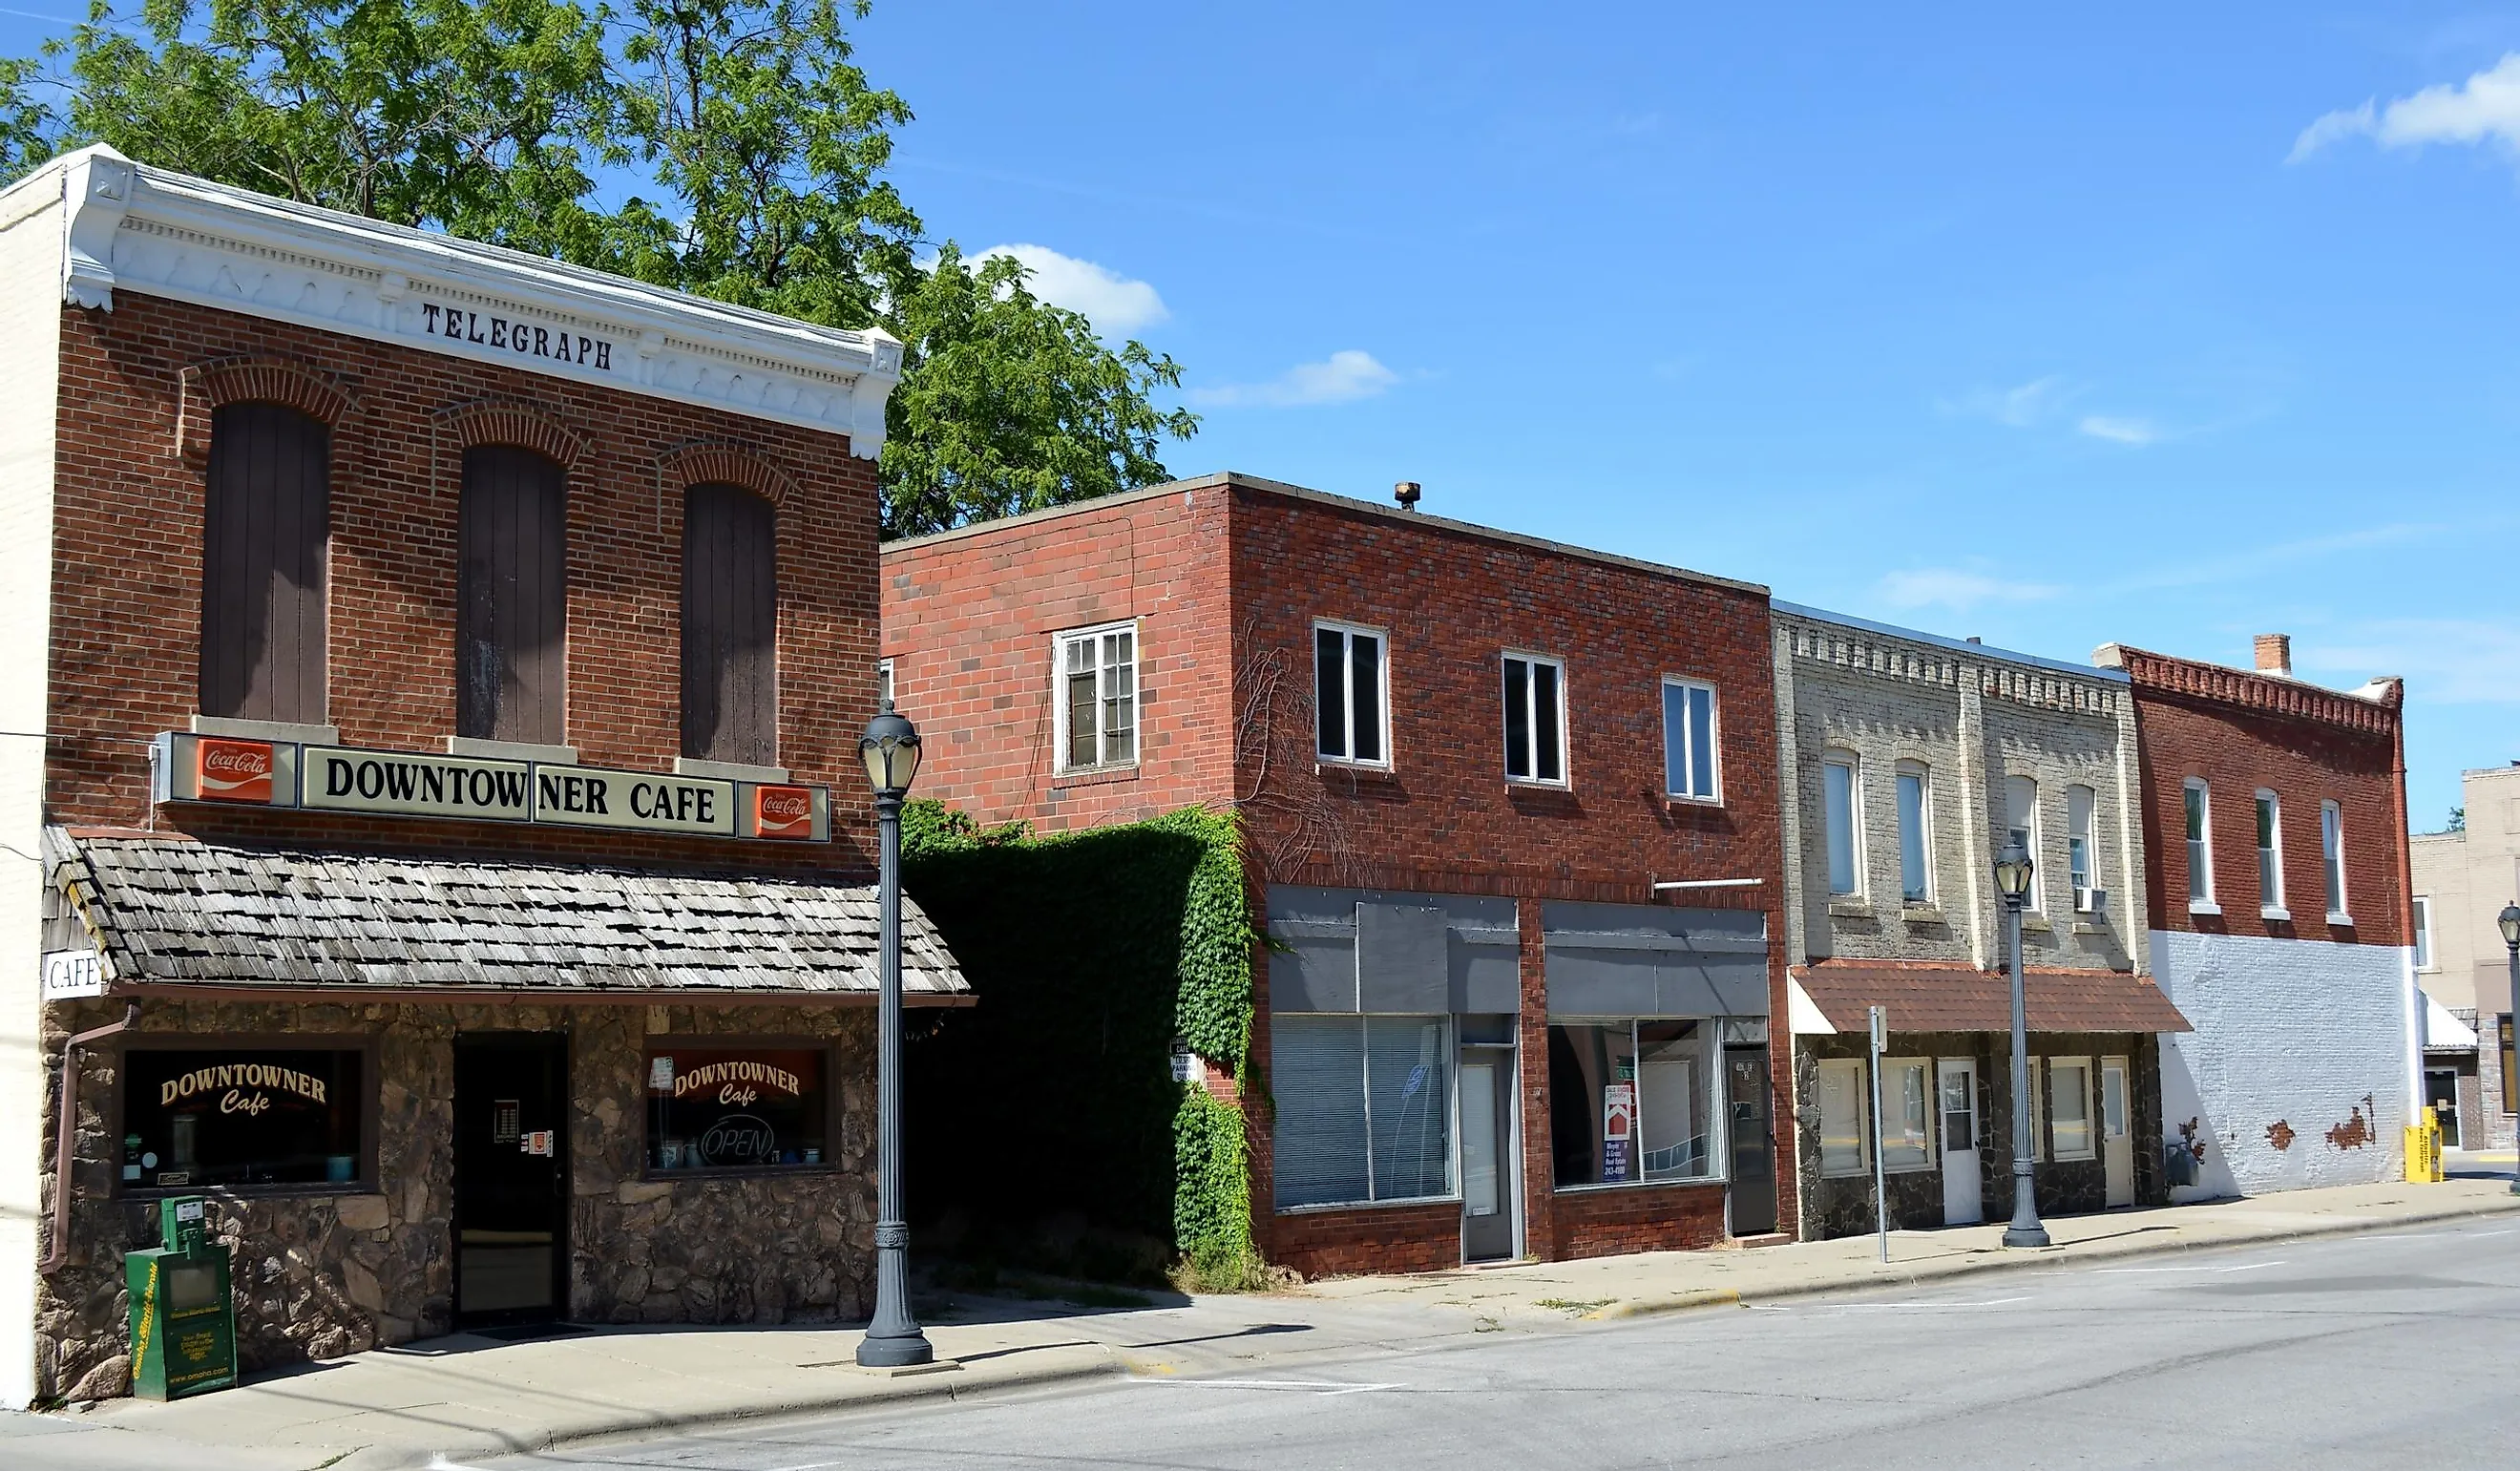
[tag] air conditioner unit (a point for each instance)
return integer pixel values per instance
(2091, 901)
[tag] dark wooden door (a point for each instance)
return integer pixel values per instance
(1751, 1107)
(730, 626)
(512, 613)
(266, 528)
(510, 1177)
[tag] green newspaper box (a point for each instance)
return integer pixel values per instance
(183, 1314)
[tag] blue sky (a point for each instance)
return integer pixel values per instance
(2055, 329)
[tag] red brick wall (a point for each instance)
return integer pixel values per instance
(126, 603)
(2238, 749)
(967, 619)
(1374, 1239)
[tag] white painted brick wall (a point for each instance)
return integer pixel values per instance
(2304, 1034)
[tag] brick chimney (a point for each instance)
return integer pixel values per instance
(2274, 655)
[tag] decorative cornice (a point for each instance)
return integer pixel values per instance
(2266, 693)
(1893, 654)
(132, 227)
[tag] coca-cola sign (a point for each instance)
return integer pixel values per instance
(783, 811)
(233, 771)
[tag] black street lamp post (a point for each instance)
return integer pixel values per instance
(890, 750)
(2509, 921)
(2013, 874)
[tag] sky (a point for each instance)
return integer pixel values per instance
(2163, 326)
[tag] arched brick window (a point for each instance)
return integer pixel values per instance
(266, 536)
(730, 626)
(512, 597)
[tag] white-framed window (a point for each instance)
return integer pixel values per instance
(1691, 768)
(1632, 1099)
(2200, 842)
(2331, 856)
(1843, 1110)
(2271, 884)
(2069, 1105)
(1363, 1108)
(2082, 845)
(2424, 932)
(1097, 709)
(1535, 719)
(1907, 1114)
(884, 684)
(1350, 674)
(2021, 826)
(1841, 796)
(1915, 782)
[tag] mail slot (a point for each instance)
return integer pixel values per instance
(183, 1308)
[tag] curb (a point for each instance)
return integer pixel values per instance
(910, 1390)
(1922, 1273)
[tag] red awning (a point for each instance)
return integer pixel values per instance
(1963, 999)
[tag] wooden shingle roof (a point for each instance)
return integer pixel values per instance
(174, 911)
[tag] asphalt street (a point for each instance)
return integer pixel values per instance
(2368, 1351)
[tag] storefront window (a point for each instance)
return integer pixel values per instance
(735, 1108)
(242, 1116)
(1365, 1108)
(1632, 1101)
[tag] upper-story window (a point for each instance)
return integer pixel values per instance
(2271, 884)
(1916, 832)
(266, 534)
(1841, 811)
(2423, 932)
(1534, 718)
(2200, 842)
(2022, 824)
(2331, 854)
(730, 626)
(1690, 765)
(2082, 845)
(511, 598)
(1097, 696)
(1350, 669)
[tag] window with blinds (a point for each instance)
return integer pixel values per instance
(1363, 1108)
(730, 626)
(511, 598)
(266, 537)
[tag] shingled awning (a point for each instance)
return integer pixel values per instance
(1964, 999)
(174, 912)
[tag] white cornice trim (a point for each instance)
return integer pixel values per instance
(132, 227)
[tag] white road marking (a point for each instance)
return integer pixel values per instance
(1328, 1388)
(1993, 1302)
(2138, 1271)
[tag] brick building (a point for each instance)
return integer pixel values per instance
(431, 696)
(2275, 826)
(1510, 815)
(1912, 758)
(2462, 881)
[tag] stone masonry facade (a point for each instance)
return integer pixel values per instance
(321, 1273)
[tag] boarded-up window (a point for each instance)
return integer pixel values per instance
(266, 525)
(730, 626)
(512, 592)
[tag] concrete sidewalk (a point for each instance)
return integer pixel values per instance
(468, 1396)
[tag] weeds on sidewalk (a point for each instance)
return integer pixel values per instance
(1576, 1307)
(1229, 1271)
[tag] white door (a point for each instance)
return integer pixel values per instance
(2117, 1144)
(1963, 1194)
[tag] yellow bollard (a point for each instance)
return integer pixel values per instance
(2424, 1151)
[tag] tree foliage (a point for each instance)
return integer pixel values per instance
(733, 149)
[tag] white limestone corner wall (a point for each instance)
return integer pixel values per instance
(30, 335)
(2296, 1074)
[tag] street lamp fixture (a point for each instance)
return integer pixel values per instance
(890, 750)
(2509, 921)
(2013, 874)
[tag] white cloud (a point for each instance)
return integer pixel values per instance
(2451, 661)
(1345, 377)
(1957, 590)
(2487, 106)
(2019, 407)
(2117, 429)
(1111, 301)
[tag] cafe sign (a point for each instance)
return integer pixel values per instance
(424, 785)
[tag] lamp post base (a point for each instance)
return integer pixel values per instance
(895, 1353)
(2030, 1235)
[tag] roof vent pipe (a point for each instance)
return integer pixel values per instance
(1406, 493)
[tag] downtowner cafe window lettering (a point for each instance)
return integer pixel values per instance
(735, 1108)
(242, 1116)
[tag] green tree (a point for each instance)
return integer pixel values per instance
(728, 147)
